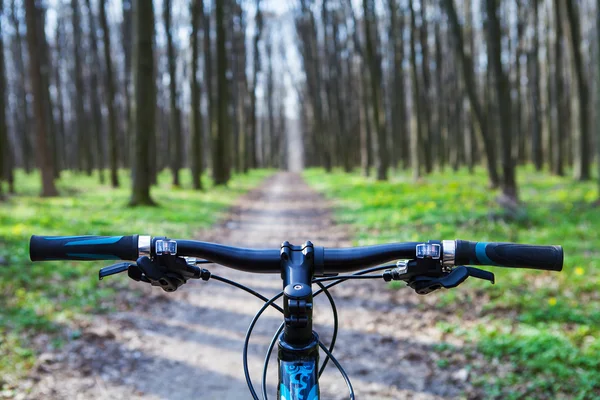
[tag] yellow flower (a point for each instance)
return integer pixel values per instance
(552, 301)
(579, 271)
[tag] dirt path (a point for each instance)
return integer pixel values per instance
(189, 344)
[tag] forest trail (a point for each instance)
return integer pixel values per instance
(188, 345)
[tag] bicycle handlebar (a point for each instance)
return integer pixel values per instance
(327, 261)
(549, 258)
(47, 248)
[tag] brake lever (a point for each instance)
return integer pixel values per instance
(426, 285)
(113, 269)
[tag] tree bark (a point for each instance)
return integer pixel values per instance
(27, 128)
(3, 103)
(175, 113)
(221, 167)
(399, 131)
(561, 127)
(144, 107)
(44, 156)
(536, 125)
(598, 90)
(471, 87)
(95, 95)
(83, 139)
(127, 43)
(415, 119)
(374, 64)
(582, 160)
(195, 89)
(509, 184)
(113, 145)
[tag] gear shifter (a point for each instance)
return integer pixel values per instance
(426, 284)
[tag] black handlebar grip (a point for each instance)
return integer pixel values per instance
(48, 248)
(512, 255)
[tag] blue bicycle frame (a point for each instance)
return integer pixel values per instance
(298, 379)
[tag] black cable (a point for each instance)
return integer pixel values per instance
(245, 288)
(276, 336)
(340, 368)
(247, 341)
(346, 277)
(363, 272)
(267, 357)
(335, 325)
(270, 302)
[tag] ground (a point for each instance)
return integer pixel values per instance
(189, 344)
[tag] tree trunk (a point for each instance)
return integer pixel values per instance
(415, 119)
(582, 158)
(221, 162)
(252, 134)
(175, 114)
(113, 144)
(127, 35)
(18, 59)
(95, 95)
(144, 107)
(373, 62)
(44, 156)
(196, 112)
(60, 161)
(3, 104)
(427, 138)
(83, 137)
(509, 184)
(598, 90)
(270, 139)
(471, 87)
(399, 131)
(536, 124)
(46, 71)
(561, 127)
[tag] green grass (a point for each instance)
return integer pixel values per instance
(546, 325)
(45, 297)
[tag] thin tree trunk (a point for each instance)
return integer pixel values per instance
(127, 35)
(221, 162)
(374, 64)
(95, 94)
(144, 108)
(27, 128)
(598, 90)
(561, 126)
(399, 131)
(60, 161)
(471, 87)
(175, 114)
(113, 145)
(536, 125)
(3, 104)
(253, 161)
(196, 112)
(44, 156)
(582, 160)
(415, 119)
(83, 137)
(509, 184)
(427, 138)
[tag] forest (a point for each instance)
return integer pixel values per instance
(377, 85)
(405, 120)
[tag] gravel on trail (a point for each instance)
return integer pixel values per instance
(188, 344)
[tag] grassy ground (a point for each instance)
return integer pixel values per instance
(544, 325)
(45, 297)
